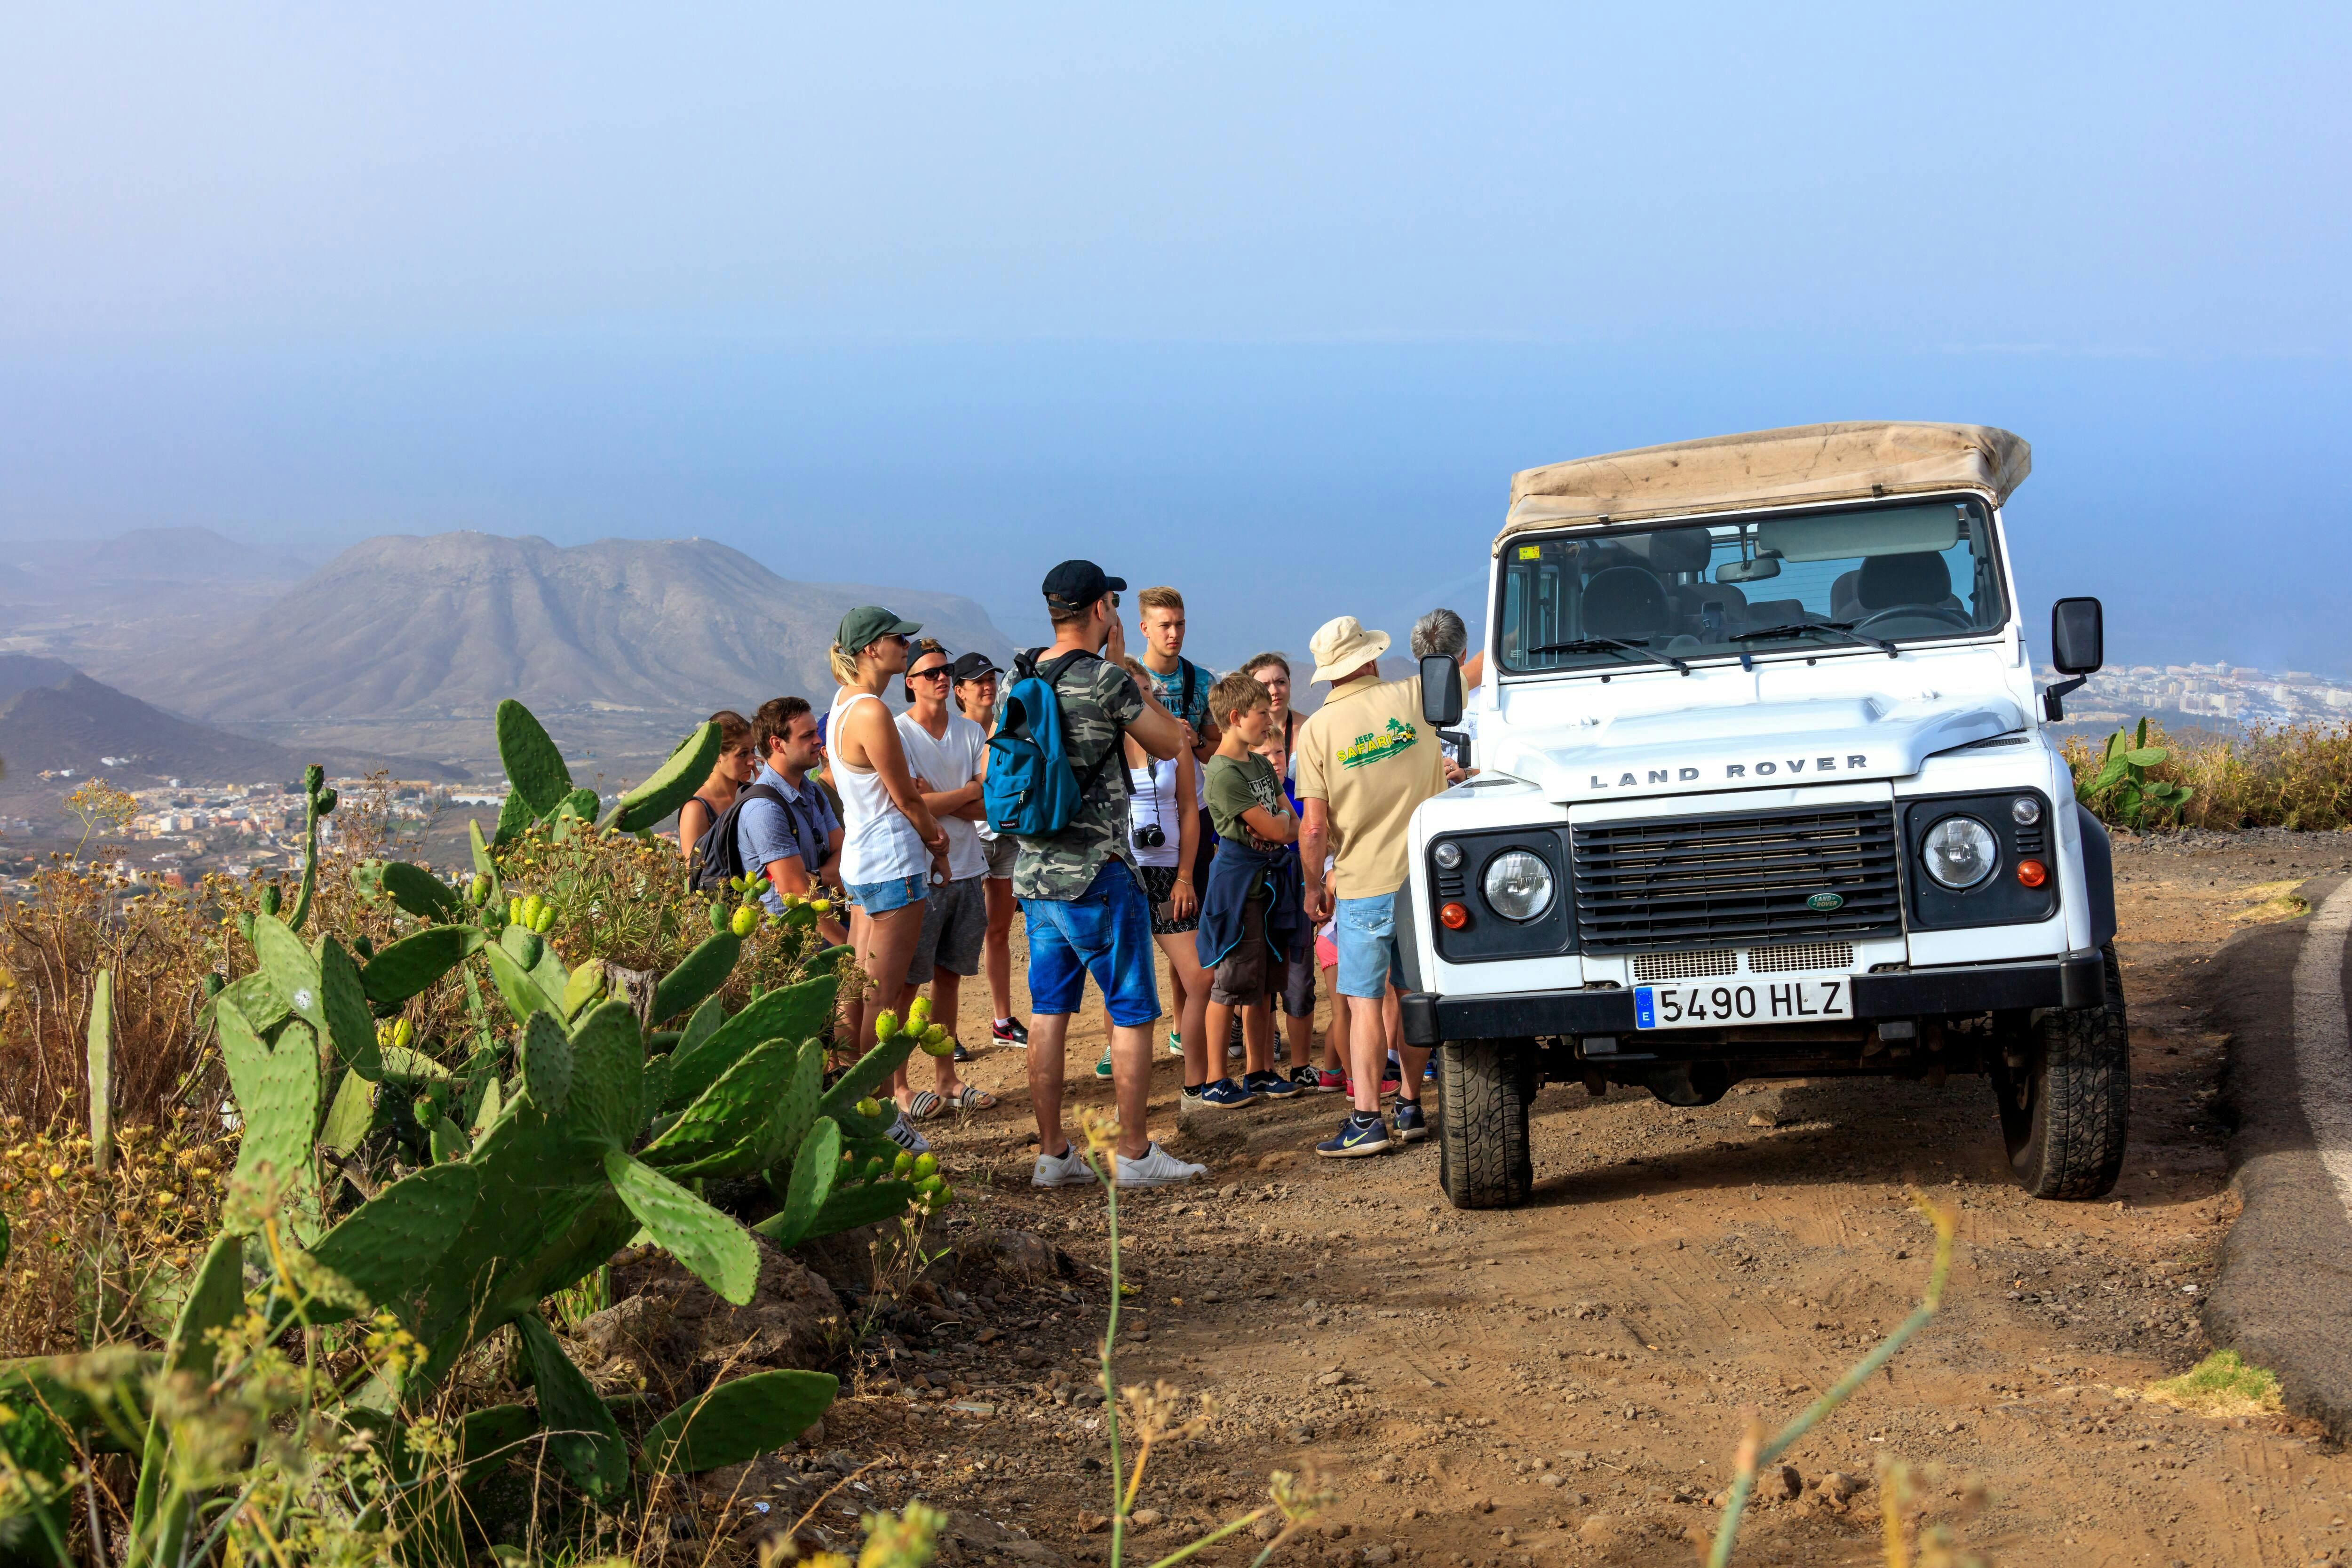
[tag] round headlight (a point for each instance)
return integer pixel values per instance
(1960, 852)
(2025, 811)
(1447, 855)
(1519, 885)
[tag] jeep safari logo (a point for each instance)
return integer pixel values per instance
(1825, 902)
(1738, 773)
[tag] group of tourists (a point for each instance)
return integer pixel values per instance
(1253, 848)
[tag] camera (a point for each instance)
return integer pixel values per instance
(1149, 836)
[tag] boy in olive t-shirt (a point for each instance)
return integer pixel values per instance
(1251, 815)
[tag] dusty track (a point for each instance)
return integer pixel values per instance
(1566, 1383)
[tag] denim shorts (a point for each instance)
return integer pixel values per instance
(1366, 934)
(891, 894)
(1105, 931)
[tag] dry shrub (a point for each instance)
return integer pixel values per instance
(74, 921)
(2292, 775)
(92, 1259)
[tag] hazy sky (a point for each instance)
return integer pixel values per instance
(1266, 302)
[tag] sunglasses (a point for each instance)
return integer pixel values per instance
(936, 672)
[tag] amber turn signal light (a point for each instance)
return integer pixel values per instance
(1453, 917)
(2032, 873)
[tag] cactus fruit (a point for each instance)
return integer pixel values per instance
(746, 922)
(870, 1107)
(874, 1169)
(821, 905)
(477, 891)
(927, 1165)
(918, 1012)
(671, 785)
(719, 1251)
(582, 1435)
(269, 900)
(718, 917)
(737, 1421)
(938, 1042)
(903, 1163)
(886, 1025)
(699, 974)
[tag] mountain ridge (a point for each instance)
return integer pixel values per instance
(431, 627)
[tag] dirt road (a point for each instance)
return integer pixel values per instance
(1566, 1383)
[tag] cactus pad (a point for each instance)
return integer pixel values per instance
(547, 1063)
(671, 784)
(277, 1094)
(534, 767)
(404, 968)
(418, 892)
(720, 1252)
(814, 1172)
(291, 970)
(699, 974)
(719, 1133)
(792, 1013)
(344, 998)
(795, 1111)
(392, 1241)
(850, 1208)
(608, 1072)
(700, 1025)
(737, 1421)
(868, 1074)
(581, 1434)
(484, 866)
(521, 992)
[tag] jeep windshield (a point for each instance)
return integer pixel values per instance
(1860, 580)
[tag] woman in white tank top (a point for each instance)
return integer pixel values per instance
(1166, 794)
(890, 843)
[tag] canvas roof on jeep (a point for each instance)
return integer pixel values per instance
(1803, 463)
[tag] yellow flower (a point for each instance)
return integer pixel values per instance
(56, 1173)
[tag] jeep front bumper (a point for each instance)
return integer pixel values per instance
(2078, 979)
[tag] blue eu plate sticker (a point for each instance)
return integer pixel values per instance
(1646, 1007)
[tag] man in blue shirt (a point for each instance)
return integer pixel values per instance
(794, 844)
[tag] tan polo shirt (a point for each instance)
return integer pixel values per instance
(1369, 754)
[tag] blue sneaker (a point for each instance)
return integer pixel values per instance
(1270, 1084)
(1224, 1094)
(1429, 1069)
(1412, 1126)
(1359, 1135)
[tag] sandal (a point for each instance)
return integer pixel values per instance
(967, 1098)
(925, 1105)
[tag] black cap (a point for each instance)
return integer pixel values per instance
(972, 667)
(1077, 583)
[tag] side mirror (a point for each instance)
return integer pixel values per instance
(2077, 636)
(1441, 690)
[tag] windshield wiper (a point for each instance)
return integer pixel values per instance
(1610, 645)
(1798, 628)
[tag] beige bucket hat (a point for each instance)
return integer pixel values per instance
(1342, 646)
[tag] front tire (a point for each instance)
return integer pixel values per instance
(2066, 1113)
(1484, 1088)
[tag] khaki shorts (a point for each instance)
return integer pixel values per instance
(1241, 978)
(1003, 850)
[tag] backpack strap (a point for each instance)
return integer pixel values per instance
(1191, 670)
(1052, 675)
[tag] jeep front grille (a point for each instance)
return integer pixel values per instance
(1737, 879)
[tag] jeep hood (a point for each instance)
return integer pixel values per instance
(1764, 745)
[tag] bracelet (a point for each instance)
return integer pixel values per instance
(1184, 882)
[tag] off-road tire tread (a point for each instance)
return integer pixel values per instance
(1482, 1157)
(2075, 1132)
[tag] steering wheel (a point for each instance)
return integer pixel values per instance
(1943, 612)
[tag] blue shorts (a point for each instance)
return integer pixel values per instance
(1365, 934)
(1105, 931)
(891, 894)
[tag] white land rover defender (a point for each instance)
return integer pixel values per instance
(1765, 790)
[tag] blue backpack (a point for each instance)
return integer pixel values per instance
(1031, 790)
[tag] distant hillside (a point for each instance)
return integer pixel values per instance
(75, 569)
(50, 719)
(406, 629)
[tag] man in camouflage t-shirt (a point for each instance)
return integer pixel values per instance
(1079, 890)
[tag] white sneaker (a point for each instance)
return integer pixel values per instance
(1158, 1168)
(902, 1132)
(1066, 1169)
